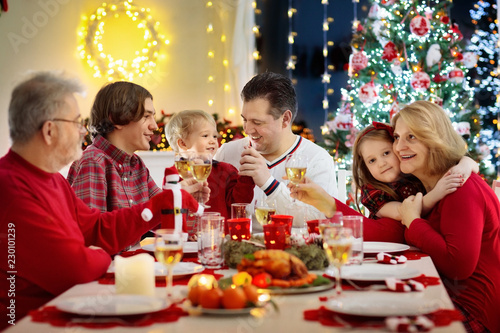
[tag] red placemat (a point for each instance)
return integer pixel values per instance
(414, 255)
(55, 317)
(441, 317)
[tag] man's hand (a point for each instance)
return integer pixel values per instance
(193, 187)
(255, 166)
(411, 209)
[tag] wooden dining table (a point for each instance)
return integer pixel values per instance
(288, 318)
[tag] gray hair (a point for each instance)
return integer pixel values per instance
(36, 100)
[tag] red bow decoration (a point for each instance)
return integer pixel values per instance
(384, 258)
(379, 126)
(403, 286)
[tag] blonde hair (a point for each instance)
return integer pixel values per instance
(431, 125)
(182, 124)
(360, 172)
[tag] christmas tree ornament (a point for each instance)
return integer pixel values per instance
(394, 109)
(462, 128)
(374, 12)
(343, 121)
(470, 59)
(420, 26)
(433, 55)
(396, 67)
(387, 2)
(359, 61)
(436, 100)
(420, 81)
(456, 75)
(368, 93)
(457, 32)
(390, 53)
(438, 78)
(445, 19)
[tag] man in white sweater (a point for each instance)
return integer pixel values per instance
(269, 108)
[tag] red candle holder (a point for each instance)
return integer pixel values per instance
(313, 226)
(275, 236)
(238, 229)
(286, 220)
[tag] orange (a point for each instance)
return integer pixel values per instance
(234, 298)
(194, 294)
(211, 298)
(251, 293)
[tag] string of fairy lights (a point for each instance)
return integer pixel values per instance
(93, 51)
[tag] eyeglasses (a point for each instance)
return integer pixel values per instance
(80, 121)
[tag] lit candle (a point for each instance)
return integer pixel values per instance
(135, 275)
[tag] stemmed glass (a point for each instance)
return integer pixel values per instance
(264, 210)
(182, 164)
(201, 166)
(296, 166)
(168, 251)
(337, 242)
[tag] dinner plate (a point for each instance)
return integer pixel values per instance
(382, 305)
(112, 305)
(220, 312)
(187, 247)
(180, 269)
(377, 272)
(376, 247)
(296, 290)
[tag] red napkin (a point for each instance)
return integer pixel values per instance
(160, 281)
(55, 317)
(326, 317)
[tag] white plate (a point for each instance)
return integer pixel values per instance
(112, 305)
(377, 272)
(187, 247)
(376, 247)
(382, 305)
(221, 312)
(181, 269)
(296, 290)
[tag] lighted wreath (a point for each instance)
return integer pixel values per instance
(93, 52)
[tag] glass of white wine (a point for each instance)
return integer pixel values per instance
(182, 164)
(168, 251)
(264, 209)
(337, 242)
(296, 167)
(201, 166)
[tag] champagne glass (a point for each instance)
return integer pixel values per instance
(168, 251)
(337, 242)
(264, 209)
(201, 166)
(182, 164)
(296, 166)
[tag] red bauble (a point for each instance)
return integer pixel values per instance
(387, 2)
(368, 93)
(390, 52)
(445, 19)
(359, 61)
(438, 78)
(420, 81)
(456, 75)
(420, 25)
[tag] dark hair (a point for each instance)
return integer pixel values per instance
(277, 89)
(117, 103)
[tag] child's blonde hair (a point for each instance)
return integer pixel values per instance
(182, 124)
(360, 172)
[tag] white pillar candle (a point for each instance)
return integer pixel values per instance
(135, 275)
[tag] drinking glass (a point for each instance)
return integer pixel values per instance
(201, 166)
(168, 251)
(337, 242)
(264, 209)
(181, 162)
(295, 166)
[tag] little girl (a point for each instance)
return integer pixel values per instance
(383, 187)
(196, 130)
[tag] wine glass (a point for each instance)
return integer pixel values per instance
(264, 209)
(337, 242)
(201, 166)
(168, 251)
(296, 166)
(182, 164)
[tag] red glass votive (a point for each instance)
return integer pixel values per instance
(275, 236)
(313, 226)
(238, 229)
(286, 220)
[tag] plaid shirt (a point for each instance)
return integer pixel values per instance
(107, 178)
(374, 199)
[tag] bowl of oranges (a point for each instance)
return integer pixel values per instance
(235, 295)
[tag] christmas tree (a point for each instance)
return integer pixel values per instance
(404, 51)
(484, 43)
